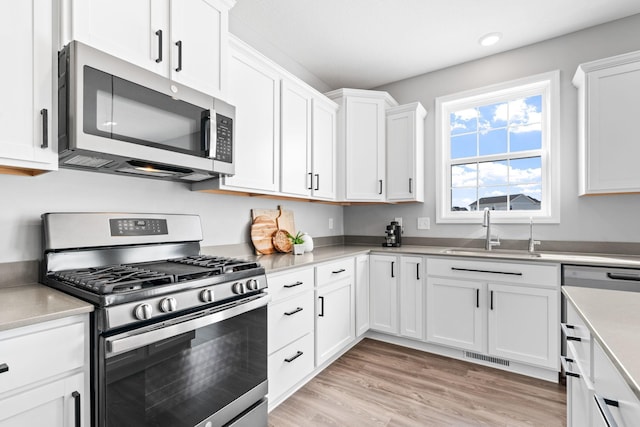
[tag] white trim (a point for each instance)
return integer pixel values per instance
(547, 84)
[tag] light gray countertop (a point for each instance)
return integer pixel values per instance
(614, 320)
(34, 303)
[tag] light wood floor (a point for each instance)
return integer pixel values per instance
(380, 384)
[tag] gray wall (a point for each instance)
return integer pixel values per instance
(600, 218)
(225, 219)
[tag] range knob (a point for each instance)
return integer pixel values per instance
(168, 304)
(143, 311)
(238, 288)
(206, 295)
(253, 284)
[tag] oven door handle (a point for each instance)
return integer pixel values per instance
(136, 339)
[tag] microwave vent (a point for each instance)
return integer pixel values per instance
(87, 161)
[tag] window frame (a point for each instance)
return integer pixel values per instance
(545, 84)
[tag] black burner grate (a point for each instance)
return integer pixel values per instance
(113, 278)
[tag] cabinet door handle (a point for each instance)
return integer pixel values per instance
(477, 298)
(410, 186)
(294, 357)
(321, 314)
(392, 264)
(45, 128)
(159, 34)
(380, 186)
(603, 406)
(310, 181)
(418, 271)
(342, 270)
(292, 312)
(293, 285)
(179, 44)
(4, 368)
(491, 300)
(317, 181)
(77, 405)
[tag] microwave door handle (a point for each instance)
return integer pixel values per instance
(205, 131)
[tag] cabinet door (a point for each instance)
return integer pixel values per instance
(52, 404)
(199, 44)
(455, 313)
(125, 29)
(324, 150)
(26, 120)
(362, 294)
(405, 153)
(411, 297)
(523, 324)
(383, 306)
(255, 91)
(295, 136)
(365, 149)
(335, 327)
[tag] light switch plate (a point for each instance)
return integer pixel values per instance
(424, 223)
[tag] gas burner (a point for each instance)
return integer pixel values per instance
(218, 265)
(113, 278)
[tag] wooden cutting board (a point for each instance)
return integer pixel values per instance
(262, 230)
(284, 218)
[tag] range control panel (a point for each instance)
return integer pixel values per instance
(138, 226)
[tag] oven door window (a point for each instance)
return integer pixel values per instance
(118, 109)
(185, 379)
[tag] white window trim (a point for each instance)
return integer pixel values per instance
(546, 83)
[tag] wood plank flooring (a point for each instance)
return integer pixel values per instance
(381, 384)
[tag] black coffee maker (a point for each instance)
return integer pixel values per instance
(393, 239)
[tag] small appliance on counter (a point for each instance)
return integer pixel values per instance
(393, 238)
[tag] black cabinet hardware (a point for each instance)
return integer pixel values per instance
(570, 338)
(4, 368)
(317, 181)
(410, 186)
(77, 405)
(159, 34)
(294, 357)
(392, 264)
(291, 313)
(473, 270)
(179, 44)
(321, 314)
(310, 181)
(491, 300)
(342, 270)
(418, 271)
(45, 128)
(380, 186)
(293, 285)
(477, 298)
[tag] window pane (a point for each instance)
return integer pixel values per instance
(464, 121)
(522, 138)
(493, 116)
(464, 175)
(493, 142)
(526, 197)
(525, 171)
(464, 146)
(494, 198)
(493, 173)
(461, 198)
(525, 111)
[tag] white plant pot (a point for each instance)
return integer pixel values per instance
(298, 249)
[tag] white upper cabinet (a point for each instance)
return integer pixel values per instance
(27, 142)
(405, 153)
(323, 157)
(185, 40)
(608, 111)
(361, 143)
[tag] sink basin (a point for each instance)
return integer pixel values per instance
(494, 253)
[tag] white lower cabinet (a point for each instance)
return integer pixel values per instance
(362, 294)
(289, 365)
(383, 293)
(335, 308)
(45, 378)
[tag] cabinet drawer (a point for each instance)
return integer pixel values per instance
(546, 275)
(578, 338)
(289, 320)
(40, 354)
(284, 285)
(337, 270)
(290, 365)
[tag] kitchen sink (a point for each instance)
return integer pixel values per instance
(494, 253)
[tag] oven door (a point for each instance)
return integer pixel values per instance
(204, 369)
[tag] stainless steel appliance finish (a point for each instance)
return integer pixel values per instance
(614, 278)
(178, 338)
(119, 118)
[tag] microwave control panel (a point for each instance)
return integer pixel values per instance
(224, 138)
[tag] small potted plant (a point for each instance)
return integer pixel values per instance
(298, 243)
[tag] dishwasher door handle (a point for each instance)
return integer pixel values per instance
(619, 276)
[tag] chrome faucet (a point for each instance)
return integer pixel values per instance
(486, 222)
(532, 243)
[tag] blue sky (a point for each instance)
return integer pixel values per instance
(507, 128)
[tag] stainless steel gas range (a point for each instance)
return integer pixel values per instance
(178, 338)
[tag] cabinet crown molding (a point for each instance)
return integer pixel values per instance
(604, 63)
(363, 93)
(414, 106)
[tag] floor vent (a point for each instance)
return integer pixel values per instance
(490, 359)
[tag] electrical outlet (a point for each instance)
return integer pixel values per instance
(330, 223)
(424, 223)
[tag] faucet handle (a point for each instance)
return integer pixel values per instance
(533, 244)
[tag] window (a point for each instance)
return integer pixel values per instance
(497, 148)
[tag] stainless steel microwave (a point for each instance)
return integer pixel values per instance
(119, 118)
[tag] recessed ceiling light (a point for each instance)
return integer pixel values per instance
(490, 39)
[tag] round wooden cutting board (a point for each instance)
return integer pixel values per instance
(262, 231)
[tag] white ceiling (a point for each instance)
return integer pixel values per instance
(368, 43)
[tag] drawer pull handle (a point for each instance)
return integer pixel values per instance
(603, 406)
(179, 44)
(77, 406)
(4, 368)
(294, 357)
(564, 360)
(473, 270)
(565, 328)
(291, 313)
(293, 285)
(321, 314)
(342, 270)
(159, 58)
(570, 338)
